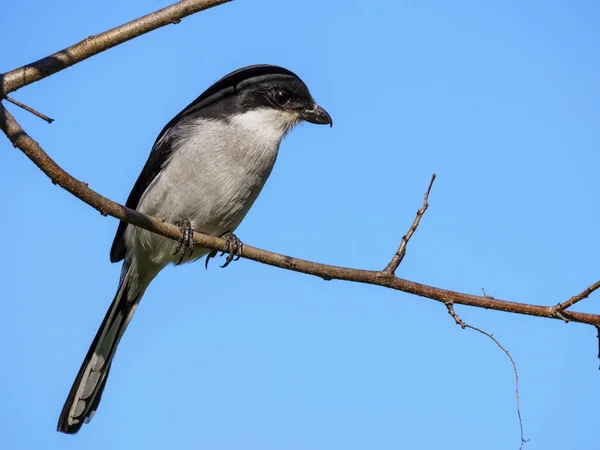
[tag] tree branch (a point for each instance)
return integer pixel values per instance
(30, 73)
(32, 149)
(401, 252)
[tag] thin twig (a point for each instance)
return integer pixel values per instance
(484, 293)
(35, 71)
(464, 325)
(559, 308)
(523, 440)
(28, 109)
(401, 252)
(33, 151)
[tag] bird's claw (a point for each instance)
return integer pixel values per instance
(233, 246)
(186, 238)
(210, 255)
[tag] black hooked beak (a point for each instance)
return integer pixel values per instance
(317, 115)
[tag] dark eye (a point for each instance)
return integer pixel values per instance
(282, 97)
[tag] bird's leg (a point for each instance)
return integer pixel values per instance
(186, 238)
(233, 246)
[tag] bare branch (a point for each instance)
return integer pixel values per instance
(28, 109)
(31, 148)
(399, 255)
(30, 73)
(464, 325)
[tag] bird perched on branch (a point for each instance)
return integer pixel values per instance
(205, 170)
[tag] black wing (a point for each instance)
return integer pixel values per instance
(161, 151)
(159, 155)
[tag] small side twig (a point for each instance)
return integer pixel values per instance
(28, 109)
(558, 309)
(399, 255)
(464, 325)
(485, 295)
(457, 319)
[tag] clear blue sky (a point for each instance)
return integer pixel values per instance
(500, 99)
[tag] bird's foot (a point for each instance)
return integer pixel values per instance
(186, 238)
(233, 246)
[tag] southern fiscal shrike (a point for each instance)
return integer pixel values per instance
(205, 170)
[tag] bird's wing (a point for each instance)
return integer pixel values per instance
(161, 151)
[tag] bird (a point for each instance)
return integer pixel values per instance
(204, 172)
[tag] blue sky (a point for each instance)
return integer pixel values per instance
(500, 99)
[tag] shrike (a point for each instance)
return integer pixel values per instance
(205, 170)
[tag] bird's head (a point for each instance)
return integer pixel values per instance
(260, 97)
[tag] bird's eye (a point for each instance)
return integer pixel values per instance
(282, 97)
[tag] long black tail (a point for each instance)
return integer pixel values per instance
(84, 397)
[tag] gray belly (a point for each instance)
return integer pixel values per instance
(212, 187)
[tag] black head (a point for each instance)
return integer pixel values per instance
(259, 86)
